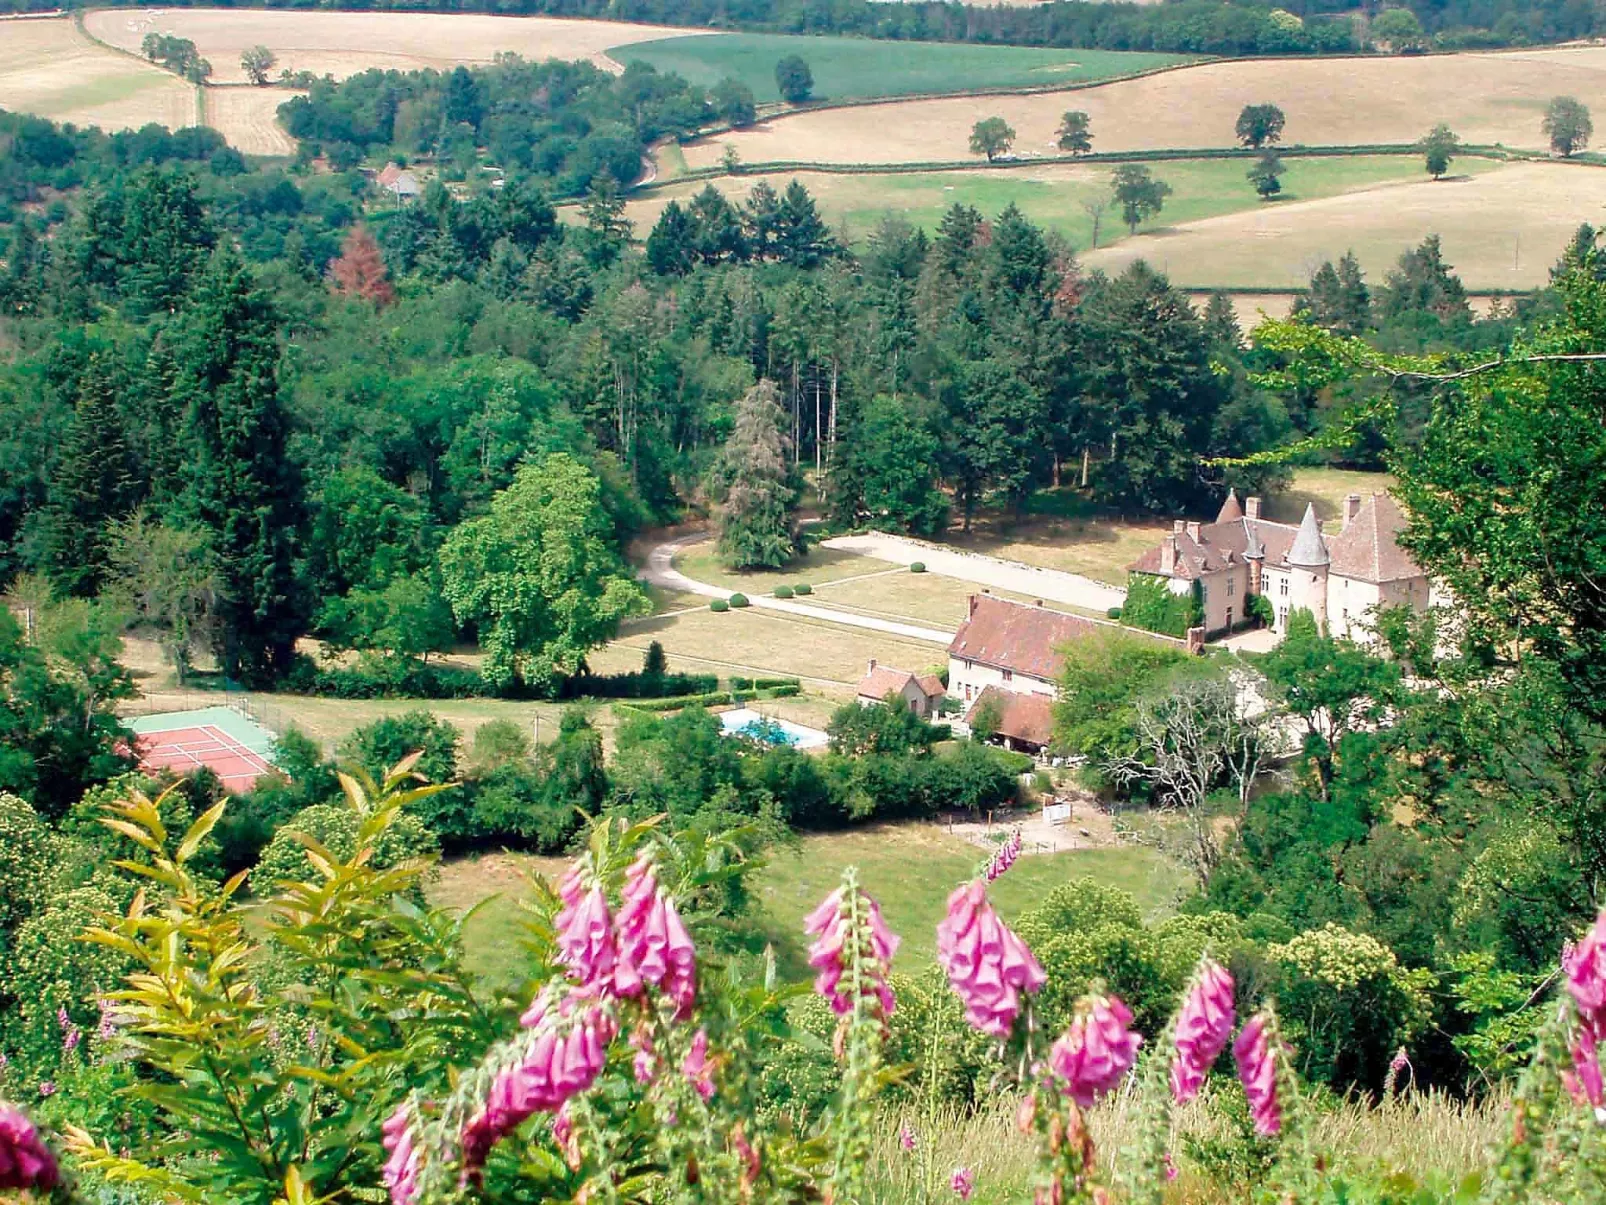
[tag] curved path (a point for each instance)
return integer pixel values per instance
(660, 571)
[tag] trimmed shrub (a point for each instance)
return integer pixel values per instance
(918, 567)
(739, 600)
(783, 591)
(1113, 613)
(719, 605)
(803, 588)
(334, 826)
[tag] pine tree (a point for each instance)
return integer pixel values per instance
(801, 236)
(241, 486)
(669, 246)
(757, 487)
(360, 270)
(92, 486)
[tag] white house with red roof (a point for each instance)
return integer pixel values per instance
(920, 693)
(1340, 578)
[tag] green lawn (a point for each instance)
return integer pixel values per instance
(908, 868)
(859, 68)
(701, 563)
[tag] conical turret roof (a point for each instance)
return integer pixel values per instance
(1309, 550)
(1231, 511)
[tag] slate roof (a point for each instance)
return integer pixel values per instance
(1028, 718)
(1221, 545)
(884, 680)
(1368, 548)
(1017, 637)
(1309, 550)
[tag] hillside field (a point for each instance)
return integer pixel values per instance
(1501, 229)
(249, 118)
(1485, 98)
(855, 68)
(48, 68)
(344, 43)
(1053, 194)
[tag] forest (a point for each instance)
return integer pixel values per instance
(244, 405)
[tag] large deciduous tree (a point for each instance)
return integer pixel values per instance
(756, 486)
(991, 136)
(1138, 193)
(257, 61)
(540, 576)
(888, 470)
(793, 79)
(1438, 148)
(241, 487)
(1075, 133)
(1266, 174)
(1260, 126)
(1567, 125)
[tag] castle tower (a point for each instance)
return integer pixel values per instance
(1308, 562)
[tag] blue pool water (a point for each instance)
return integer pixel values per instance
(746, 721)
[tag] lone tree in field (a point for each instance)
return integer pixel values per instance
(756, 487)
(1260, 125)
(1438, 148)
(1138, 193)
(258, 61)
(992, 136)
(733, 101)
(1075, 133)
(794, 79)
(1567, 125)
(1264, 174)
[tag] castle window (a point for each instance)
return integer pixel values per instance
(1009, 675)
(1230, 585)
(1282, 586)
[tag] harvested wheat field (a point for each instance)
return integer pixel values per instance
(1501, 229)
(249, 119)
(1485, 98)
(345, 43)
(48, 68)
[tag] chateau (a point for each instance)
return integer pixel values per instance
(1339, 578)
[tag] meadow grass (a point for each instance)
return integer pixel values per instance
(701, 562)
(860, 68)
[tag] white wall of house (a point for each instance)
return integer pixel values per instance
(967, 679)
(1352, 604)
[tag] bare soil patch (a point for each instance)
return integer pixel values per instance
(345, 43)
(1485, 98)
(48, 68)
(1501, 229)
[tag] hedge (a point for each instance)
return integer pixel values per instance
(713, 698)
(740, 683)
(402, 678)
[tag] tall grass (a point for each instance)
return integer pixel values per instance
(1424, 1135)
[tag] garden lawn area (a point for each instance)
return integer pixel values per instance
(927, 598)
(909, 868)
(701, 563)
(1326, 488)
(859, 68)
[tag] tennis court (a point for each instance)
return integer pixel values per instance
(234, 748)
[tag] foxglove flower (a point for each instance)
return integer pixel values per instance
(1096, 1051)
(1257, 1068)
(653, 944)
(963, 1182)
(564, 1135)
(585, 942)
(1005, 857)
(1585, 965)
(985, 962)
(695, 1066)
(831, 927)
(25, 1161)
(645, 1065)
(1584, 1081)
(563, 1056)
(401, 1168)
(906, 1138)
(1203, 1027)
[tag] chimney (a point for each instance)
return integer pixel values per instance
(1352, 507)
(1176, 527)
(1252, 508)
(1193, 530)
(1168, 555)
(972, 604)
(1037, 602)
(871, 669)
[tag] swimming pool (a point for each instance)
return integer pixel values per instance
(747, 722)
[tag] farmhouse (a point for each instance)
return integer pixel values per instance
(920, 693)
(1010, 645)
(1024, 723)
(1340, 579)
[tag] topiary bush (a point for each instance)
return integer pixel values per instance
(918, 567)
(739, 600)
(719, 605)
(783, 591)
(803, 588)
(1113, 613)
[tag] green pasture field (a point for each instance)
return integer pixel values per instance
(860, 68)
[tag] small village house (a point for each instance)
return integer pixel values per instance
(920, 693)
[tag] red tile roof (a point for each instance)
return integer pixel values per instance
(1368, 548)
(1028, 718)
(1017, 637)
(884, 680)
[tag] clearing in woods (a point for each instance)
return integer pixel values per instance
(249, 118)
(47, 67)
(1485, 98)
(856, 68)
(1053, 194)
(345, 43)
(1501, 229)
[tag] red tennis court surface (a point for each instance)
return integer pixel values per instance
(187, 748)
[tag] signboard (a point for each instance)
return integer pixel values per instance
(1057, 813)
